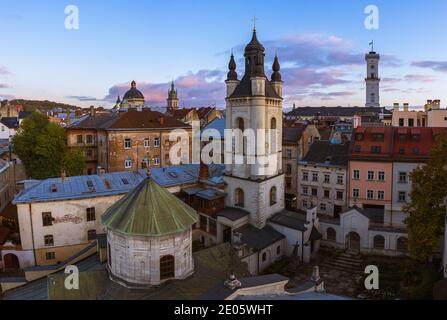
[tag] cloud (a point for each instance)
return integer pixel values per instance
(202, 88)
(84, 98)
(6, 97)
(434, 65)
(3, 86)
(4, 71)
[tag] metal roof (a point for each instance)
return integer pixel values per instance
(151, 211)
(109, 184)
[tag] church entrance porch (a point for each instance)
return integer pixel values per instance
(353, 241)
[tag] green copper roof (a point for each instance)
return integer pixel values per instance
(149, 210)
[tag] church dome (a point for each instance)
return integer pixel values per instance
(133, 93)
(254, 45)
(149, 210)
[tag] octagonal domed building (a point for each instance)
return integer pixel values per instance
(133, 98)
(149, 237)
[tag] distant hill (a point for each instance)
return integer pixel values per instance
(33, 105)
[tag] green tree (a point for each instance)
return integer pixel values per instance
(74, 162)
(41, 147)
(426, 211)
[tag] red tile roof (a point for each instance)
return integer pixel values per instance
(146, 119)
(393, 143)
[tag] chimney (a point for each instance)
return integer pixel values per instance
(92, 111)
(204, 171)
(161, 120)
(406, 105)
(396, 106)
(63, 175)
(233, 283)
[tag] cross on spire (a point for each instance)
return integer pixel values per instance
(372, 45)
(254, 23)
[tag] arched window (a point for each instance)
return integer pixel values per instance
(401, 244)
(273, 135)
(331, 234)
(167, 267)
(264, 256)
(273, 196)
(240, 141)
(278, 250)
(239, 198)
(379, 242)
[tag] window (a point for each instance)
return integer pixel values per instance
(91, 235)
(381, 195)
(327, 194)
(370, 175)
(278, 250)
(147, 143)
(355, 193)
(305, 176)
(167, 267)
(327, 178)
(415, 150)
(79, 138)
(239, 198)
(314, 192)
(127, 144)
(359, 136)
(305, 204)
(340, 195)
(305, 190)
(340, 180)
(288, 183)
(402, 137)
(128, 163)
(289, 153)
(416, 137)
(289, 169)
(49, 241)
(379, 242)
(370, 194)
(402, 196)
(91, 215)
(89, 138)
(401, 122)
(273, 196)
(376, 149)
(356, 175)
(315, 177)
(411, 122)
(157, 161)
(264, 257)
(50, 255)
(377, 137)
(402, 177)
(125, 181)
(157, 142)
(381, 176)
(47, 219)
(323, 206)
(89, 153)
(331, 234)
(357, 148)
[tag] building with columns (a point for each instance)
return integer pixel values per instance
(372, 79)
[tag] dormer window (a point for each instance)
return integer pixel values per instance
(53, 188)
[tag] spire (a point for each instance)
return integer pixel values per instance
(133, 84)
(232, 74)
(254, 57)
(118, 100)
(276, 75)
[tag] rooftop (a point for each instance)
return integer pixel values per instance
(258, 239)
(151, 211)
(146, 119)
(326, 153)
(291, 219)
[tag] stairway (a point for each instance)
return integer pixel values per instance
(348, 261)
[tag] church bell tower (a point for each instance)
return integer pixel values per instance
(172, 99)
(254, 106)
(372, 78)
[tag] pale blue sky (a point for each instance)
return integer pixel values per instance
(320, 44)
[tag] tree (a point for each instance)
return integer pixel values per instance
(74, 162)
(426, 212)
(41, 147)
